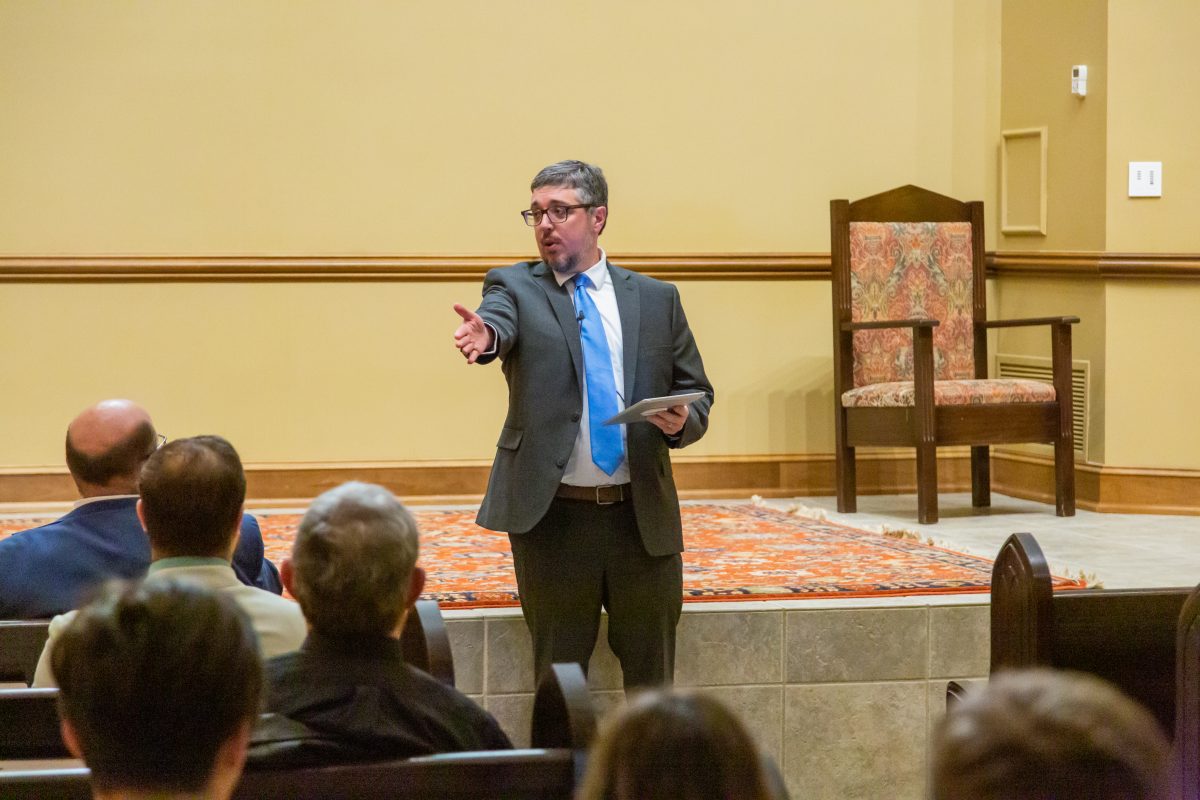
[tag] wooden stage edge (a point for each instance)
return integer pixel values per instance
(1017, 474)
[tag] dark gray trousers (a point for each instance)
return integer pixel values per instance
(581, 557)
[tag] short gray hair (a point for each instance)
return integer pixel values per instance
(586, 179)
(353, 559)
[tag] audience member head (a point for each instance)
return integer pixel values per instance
(107, 445)
(1046, 735)
(668, 745)
(158, 689)
(192, 492)
(353, 565)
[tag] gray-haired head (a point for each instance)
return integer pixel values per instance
(353, 561)
(586, 179)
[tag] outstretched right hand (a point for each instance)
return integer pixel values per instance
(473, 338)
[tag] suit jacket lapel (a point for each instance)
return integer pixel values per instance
(630, 307)
(564, 311)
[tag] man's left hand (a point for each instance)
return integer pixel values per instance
(671, 420)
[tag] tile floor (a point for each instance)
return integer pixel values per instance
(1117, 550)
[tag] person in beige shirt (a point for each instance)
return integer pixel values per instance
(192, 493)
(160, 682)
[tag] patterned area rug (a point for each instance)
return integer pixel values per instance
(734, 552)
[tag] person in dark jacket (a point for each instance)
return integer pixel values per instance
(353, 570)
(53, 569)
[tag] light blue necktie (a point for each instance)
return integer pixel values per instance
(607, 450)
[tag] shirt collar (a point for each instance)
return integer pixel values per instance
(185, 561)
(87, 500)
(597, 273)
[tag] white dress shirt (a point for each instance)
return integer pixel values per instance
(581, 471)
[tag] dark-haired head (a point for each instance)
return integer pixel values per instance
(158, 687)
(192, 491)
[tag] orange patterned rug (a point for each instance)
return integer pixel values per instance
(734, 552)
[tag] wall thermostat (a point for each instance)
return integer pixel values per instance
(1079, 80)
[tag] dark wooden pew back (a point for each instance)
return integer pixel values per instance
(1187, 698)
(1127, 636)
(29, 717)
(21, 643)
(531, 774)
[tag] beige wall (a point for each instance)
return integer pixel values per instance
(1154, 115)
(352, 372)
(320, 127)
(1040, 42)
(1143, 104)
(217, 126)
(1153, 344)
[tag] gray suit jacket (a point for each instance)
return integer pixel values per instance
(538, 345)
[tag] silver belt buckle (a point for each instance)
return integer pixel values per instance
(600, 502)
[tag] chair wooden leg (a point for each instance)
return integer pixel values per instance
(847, 481)
(1064, 477)
(981, 477)
(927, 499)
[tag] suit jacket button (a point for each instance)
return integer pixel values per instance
(562, 462)
(575, 417)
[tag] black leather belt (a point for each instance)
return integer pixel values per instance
(601, 495)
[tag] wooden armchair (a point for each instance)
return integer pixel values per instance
(910, 347)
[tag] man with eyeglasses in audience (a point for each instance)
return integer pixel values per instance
(49, 570)
(591, 509)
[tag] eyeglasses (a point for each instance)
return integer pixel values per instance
(159, 441)
(558, 214)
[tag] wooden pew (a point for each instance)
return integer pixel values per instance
(1187, 699)
(1125, 636)
(21, 643)
(530, 774)
(29, 717)
(425, 641)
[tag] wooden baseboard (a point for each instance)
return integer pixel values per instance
(1098, 488)
(1111, 490)
(423, 482)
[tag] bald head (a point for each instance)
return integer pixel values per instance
(107, 445)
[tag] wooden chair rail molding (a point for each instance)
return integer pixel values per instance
(441, 268)
(1178, 266)
(419, 268)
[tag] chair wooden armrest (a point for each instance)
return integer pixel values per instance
(563, 714)
(21, 643)
(29, 725)
(1022, 323)
(426, 643)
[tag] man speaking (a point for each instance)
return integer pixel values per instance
(590, 509)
